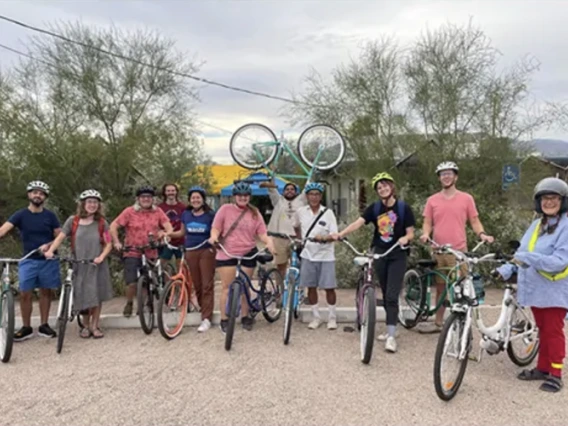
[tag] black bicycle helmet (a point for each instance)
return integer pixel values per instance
(242, 188)
(146, 190)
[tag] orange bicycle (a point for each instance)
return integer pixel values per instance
(174, 301)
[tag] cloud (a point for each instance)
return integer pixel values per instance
(271, 45)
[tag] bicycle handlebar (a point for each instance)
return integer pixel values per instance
(181, 248)
(295, 239)
(12, 260)
(232, 256)
(374, 256)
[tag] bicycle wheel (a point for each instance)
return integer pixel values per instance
(253, 146)
(522, 351)
(271, 290)
(234, 296)
(368, 322)
(290, 308)
(7, 324)
(411, 300)
(168, 272)
(172, 309)
(321, 147)
(358, 297)
(63, 317)
(449, 343)
(145, 304)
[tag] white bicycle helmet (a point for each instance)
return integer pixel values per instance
(447, 165)
(90, 193)
(39, 185)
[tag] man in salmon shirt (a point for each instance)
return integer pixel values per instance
(138, 221)
(447, 212)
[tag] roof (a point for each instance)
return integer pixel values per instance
(256, 179)
(224, 175)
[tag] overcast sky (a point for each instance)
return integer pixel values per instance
(269, 46)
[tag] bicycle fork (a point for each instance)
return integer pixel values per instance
(67, 287)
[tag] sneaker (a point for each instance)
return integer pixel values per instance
(332, 324)
(429, 328)
(127, 310)
(204, 326)
(383, 337)
(390, 346)
(247, 323)
(23, 333)
(46, 331)
(316, 322)
(223, 326)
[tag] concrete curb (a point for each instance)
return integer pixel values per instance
(118, 321)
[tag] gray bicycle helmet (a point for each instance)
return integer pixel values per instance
(39, 185)
(447, 165)
(549, 186)
(242, 188)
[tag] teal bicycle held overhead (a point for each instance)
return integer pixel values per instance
(320, 147)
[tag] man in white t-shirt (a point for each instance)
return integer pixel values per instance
(318, 260)
(284, 208)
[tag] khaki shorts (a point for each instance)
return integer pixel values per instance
(445, 263)
(282, 248)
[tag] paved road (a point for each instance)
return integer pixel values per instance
(128, 378)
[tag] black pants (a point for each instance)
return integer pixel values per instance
(390, 272)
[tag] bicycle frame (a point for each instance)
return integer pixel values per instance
(284, 147)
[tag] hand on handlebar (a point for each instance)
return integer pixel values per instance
(489, 239)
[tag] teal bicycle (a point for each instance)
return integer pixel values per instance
(7, 312)
(320, 147)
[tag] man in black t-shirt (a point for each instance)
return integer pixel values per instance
(394, 223)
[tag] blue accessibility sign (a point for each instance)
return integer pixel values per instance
(510, 175)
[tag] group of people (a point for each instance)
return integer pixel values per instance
(541, 260)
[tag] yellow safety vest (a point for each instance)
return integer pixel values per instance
(532, 244)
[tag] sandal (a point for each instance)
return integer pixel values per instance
(532, 375)
(552, 384)
(85, 333)
(100, 334)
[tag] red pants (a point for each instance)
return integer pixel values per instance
(550, 322)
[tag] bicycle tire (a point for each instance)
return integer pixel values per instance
(304, 155)
(184, 300)
(235, 294)
(360, 283)
(367, 333)
(272, 151)
(455, 385)
(290, 308)
(417, 293)
(145, 300)
(278, 284)
(7, 330)
(532, 353)
(63, 318)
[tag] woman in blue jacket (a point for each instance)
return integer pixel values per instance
(543, 279)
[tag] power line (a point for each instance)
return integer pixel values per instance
(157, 67)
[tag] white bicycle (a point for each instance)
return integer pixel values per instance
(515, 325)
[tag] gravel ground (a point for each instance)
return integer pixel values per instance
(129, 378)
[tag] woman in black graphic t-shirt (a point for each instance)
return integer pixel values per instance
(394, 222)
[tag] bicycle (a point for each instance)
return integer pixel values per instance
(265, 298)
(292, 296)
(415, 299)
(65, 309)
(254, 146)
(176, 295)
(365, 299)
(150, 285)
(7, 311)
(465, 310)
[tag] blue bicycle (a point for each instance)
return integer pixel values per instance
(269, 293)
(291, 286)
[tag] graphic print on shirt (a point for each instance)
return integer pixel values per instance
(385, 225)
(196, 228)
(172, 215)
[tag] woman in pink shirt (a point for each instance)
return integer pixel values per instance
(236, 227)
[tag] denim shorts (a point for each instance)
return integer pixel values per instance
(39, 273)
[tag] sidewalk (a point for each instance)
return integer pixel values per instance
(112, 310)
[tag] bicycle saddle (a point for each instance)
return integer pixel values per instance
(427, 263)
(264, 258)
